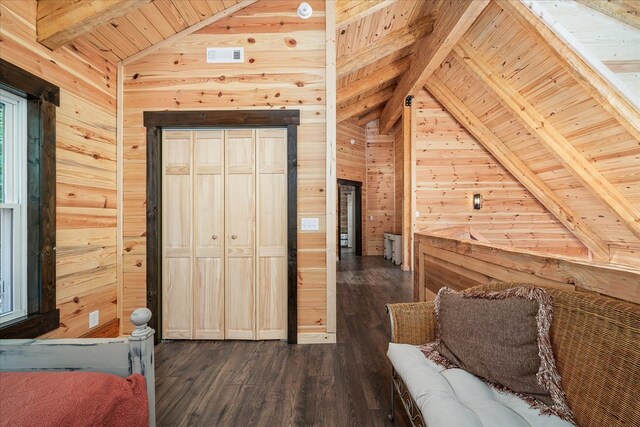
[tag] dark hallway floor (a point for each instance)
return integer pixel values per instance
(271, 383)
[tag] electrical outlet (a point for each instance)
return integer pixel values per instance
(371, 218)
(94, 318)
(417, 214)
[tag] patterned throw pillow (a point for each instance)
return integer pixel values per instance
(503, 338)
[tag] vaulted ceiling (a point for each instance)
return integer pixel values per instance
(549, 116)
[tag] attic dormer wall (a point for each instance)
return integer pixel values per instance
(451, 166)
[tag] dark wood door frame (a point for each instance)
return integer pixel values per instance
(154, 121)
(357, 215)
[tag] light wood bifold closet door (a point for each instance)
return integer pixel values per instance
(224, 234)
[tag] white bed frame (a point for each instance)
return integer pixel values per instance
(119, 356)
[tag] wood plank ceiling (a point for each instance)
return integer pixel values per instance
(375, 39)
(151, 23)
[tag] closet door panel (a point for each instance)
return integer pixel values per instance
(272, 298)
(240, 308)
(177, 207)
(176, 303)
(209, 235)
(240, 234)
(210, 298)
(272, 234)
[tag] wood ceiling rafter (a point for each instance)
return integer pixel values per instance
(518, 169)
(385, 46)
(454, 19)
(355, 10)
(369, 117)
(59, 22)
(362, 106)
(601, 90)
(627, 11)
(553, 141)
(374, 78)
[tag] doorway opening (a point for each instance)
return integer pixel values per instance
(349, 218)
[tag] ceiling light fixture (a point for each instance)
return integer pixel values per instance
(304, 10)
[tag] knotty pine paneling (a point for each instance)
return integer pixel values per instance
(284, 68)
(535, 72)
(351, 163)
(86, 166)
(398, 171)
(451, 166)
(464, 263)
(380, 206)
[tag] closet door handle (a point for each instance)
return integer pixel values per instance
(234, 237)
(214, 237)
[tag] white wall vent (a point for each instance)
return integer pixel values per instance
(224, 55)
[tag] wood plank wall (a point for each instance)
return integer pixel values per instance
(451, 166)
(462, 264)
(398, 176)
(284, 68)
(86, 166)
(380, 208)
(351, 163)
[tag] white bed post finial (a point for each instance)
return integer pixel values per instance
(141, 355)
(140, 317)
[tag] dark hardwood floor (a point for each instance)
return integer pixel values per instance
(271, 383)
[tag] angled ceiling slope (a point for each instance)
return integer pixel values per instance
(561, 129)
(124, 29)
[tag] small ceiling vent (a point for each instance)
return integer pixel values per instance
(225, 55)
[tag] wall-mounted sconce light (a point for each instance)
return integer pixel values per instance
(353, 141)
(304, 10)
(477, 201)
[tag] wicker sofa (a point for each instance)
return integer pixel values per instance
(596, 343)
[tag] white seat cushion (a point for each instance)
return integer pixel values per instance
(454, 397)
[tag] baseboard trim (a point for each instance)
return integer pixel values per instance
(108, 330)
(317, 338)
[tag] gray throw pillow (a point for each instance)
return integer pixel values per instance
(502, 337)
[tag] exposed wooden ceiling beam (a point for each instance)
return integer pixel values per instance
(373, 79)
(348, 12)
(365, 104)
(627, 11)
(369, 117)
(455, 17)
(387, 45)
(601, 90)
(518, 169)
(553, 141)
(60, 21)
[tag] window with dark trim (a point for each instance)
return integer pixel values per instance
(42, 98)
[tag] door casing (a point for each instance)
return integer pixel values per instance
(154, 121)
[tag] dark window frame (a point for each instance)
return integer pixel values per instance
(154, 121)
(42, 100)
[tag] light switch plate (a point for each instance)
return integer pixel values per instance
(417, 214)
(310, 224)
(94, 318)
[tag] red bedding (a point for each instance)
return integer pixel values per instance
(72, 399)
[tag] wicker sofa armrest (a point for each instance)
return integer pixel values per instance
(412, 323)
